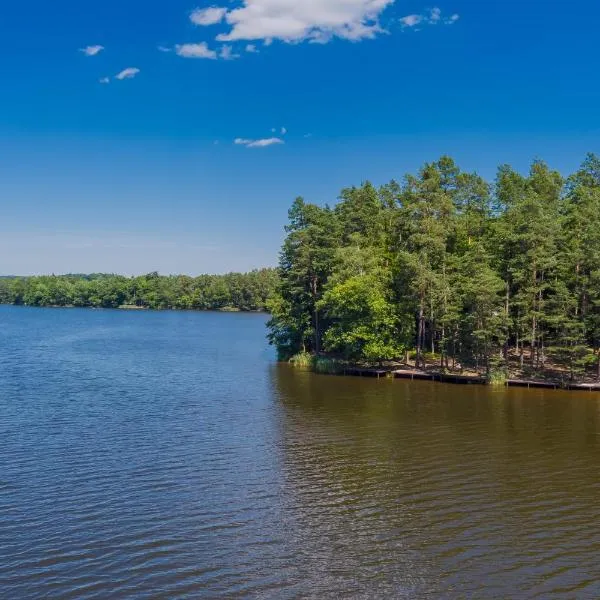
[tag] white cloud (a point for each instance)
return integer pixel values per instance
(91, 50)
(128, 73)
(105, 80)
(411, 20)
(433, 18)
(251, 48)
(312, 20)
(208, 16)
(163, 49)
(226, 53)
(283, 131)
(261, 143)
(265, 142)
(435, 15)
(200, 50)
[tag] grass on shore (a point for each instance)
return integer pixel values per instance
(318, 364)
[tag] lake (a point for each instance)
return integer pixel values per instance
(167, 455)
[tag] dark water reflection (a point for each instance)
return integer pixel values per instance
(423, 490)
(165, 455)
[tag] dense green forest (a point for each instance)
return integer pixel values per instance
(241, 291)
(447, 265)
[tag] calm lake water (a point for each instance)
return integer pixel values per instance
(166, 455)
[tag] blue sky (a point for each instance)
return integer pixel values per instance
(143, 172)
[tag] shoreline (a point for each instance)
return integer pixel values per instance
(419, 375)
(407, 372)
(129, 308)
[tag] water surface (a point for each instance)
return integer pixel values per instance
(166, 455)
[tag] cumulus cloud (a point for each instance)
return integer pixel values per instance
(297, 21)
(91, 50)
(261, 143)
(200, 50)
(432, 18)
(128, 73)
(208, 16)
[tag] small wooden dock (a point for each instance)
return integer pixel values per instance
(464, 379)
(414, 374)
(356, 372)
(445, 378)
(554, 385)
(584, 387)
(418, 375)
(532, 384)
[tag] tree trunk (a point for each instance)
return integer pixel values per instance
(420, 332)
(432, 328)
(533, 321)
(521, 353)
(316, 316)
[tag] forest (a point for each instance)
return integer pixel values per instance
(444, 266)
(234, 291)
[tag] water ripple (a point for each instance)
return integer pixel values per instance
(163, 455)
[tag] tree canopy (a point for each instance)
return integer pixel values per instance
(240, 291)
(448, 264)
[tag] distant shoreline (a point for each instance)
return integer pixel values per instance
(126, 308)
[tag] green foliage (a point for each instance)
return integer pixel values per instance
(324, 365)
(234, 291)
(328, 366)
(497, 377)
(363, 322)
(449, 265)
(302, 360)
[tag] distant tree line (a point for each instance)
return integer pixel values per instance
(447, 264)
(234, 291)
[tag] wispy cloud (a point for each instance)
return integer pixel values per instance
(260, 143)
(104, 80)
(411, 20)
(435, 15)
(227, 53)
(91, 50)
(128, 73)
(200, 50)
(432, 18)
(251, 48)
(208, 16)
(163, 49)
